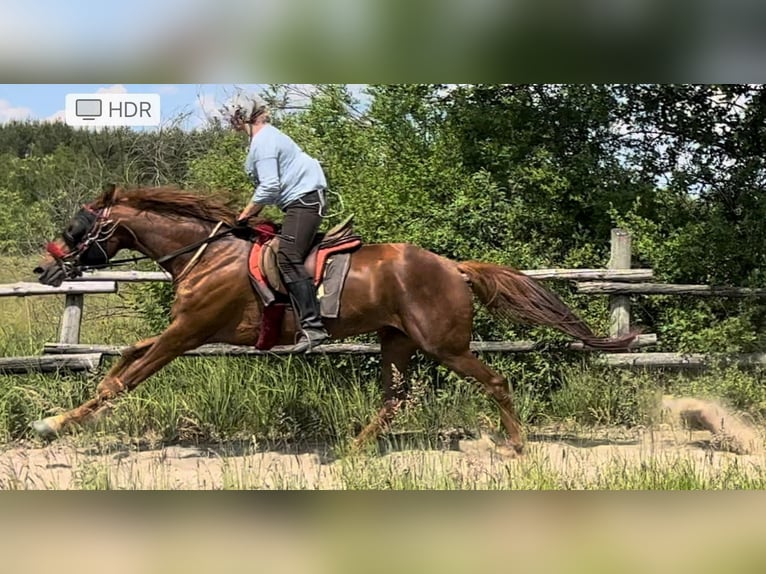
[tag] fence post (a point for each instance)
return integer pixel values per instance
(71, 319)
(619, 305)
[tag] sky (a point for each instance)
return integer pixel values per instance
(46, 101)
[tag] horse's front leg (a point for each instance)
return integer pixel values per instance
(132, 353)
(137, 364)
(127, 357)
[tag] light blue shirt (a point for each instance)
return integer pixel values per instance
(282, 171)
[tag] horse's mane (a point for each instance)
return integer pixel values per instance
(170, 200)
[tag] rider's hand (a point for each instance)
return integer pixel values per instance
(243, 231)
(251, 210)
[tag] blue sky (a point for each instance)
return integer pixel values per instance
(46, 101)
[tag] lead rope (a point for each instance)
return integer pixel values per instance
(197, 255)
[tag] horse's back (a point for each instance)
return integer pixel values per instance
(386, 259)
(388, 282)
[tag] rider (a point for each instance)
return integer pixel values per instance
(289, 178)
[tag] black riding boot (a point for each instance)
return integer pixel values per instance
(306, 304)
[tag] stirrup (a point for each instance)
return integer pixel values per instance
(304, 342)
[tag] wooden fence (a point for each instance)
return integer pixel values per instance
(618, 281)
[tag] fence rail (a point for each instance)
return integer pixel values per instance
(129, 276)
(50, 363)
(627, 275)
(24, 289)
(618, 281)
(615, 288)
(681, 360)
(343, 348)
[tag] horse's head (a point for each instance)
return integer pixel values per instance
(89, 239)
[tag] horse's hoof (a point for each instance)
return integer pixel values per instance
(45, 429)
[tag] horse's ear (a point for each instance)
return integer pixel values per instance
(110, 194)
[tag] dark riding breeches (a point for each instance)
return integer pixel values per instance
(299, 227)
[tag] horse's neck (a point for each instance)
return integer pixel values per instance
(157, 235)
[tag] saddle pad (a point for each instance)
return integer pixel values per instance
(331, 287)
(257, 278)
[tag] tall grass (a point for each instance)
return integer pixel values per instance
(287, 399)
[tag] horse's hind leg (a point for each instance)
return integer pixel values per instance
(397, 350)
(467, 365)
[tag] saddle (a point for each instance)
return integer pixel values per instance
(328, 262)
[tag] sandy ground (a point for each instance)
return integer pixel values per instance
(701, 433)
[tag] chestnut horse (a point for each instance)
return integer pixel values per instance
(413, 298)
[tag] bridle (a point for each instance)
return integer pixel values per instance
(87, 243)
(86, 239)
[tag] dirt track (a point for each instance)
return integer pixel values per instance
(574, 458)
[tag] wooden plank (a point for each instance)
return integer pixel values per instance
(59, 356)
(619, 305)
(641, 341)
(341, 348)
(50, 363)
(130, 276)
(655, 360)
(565, 274)
(23, 289)
(71, 319)
(680, 360)
(612, 288)
(592, 274)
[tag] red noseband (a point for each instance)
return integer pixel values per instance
(55, 250)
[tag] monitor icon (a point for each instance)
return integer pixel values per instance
(87, 109)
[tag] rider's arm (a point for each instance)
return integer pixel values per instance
(269, 185)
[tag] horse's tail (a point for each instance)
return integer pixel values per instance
(514, 296)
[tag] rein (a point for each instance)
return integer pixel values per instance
(165, 258)
(195, 245)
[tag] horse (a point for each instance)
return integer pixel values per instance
(413, 298)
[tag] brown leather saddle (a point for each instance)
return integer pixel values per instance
(325, 258)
